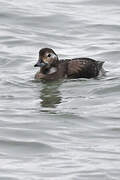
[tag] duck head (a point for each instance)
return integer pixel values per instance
(47, 58)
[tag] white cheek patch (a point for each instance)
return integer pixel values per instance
(52, 70)
(53, 55)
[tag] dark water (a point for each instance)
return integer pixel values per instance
(63, 130)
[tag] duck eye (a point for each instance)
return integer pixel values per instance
(49, 55)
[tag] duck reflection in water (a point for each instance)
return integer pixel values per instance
(50, 95)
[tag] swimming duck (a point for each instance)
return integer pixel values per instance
(51, 68)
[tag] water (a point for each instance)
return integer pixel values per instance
(67, 129)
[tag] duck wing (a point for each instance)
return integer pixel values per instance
(83, 68)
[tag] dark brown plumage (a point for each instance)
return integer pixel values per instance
(52, 68)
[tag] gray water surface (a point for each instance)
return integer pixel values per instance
(66, 129)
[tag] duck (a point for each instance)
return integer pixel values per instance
(51, 68)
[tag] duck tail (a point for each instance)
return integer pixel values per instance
(102, 71)
(100, 64)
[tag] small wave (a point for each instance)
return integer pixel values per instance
(24, 147)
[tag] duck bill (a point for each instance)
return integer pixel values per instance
(39, 64)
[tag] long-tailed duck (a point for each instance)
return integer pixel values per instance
(51, 68)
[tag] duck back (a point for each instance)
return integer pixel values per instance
(83, 68)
